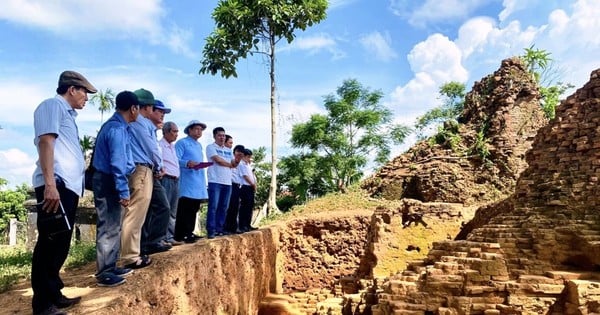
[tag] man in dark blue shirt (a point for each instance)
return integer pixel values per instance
(114, 163)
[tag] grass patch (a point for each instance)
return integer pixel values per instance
(15, 262)
(354, 199)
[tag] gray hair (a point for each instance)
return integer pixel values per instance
(168, 126)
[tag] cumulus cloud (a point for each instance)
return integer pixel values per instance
(121, 19)
(481, 45)
(512, 6)
(379, 45)
(16, 167)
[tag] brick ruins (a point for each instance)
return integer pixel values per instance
(539, 251)
(505, 108)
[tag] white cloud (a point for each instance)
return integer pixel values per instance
(16, 167)
(512, 6)
(379, 45)
(315, 44)
(120, 19)
(434, 11)
(336, 4)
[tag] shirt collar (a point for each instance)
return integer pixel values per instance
(66, 105)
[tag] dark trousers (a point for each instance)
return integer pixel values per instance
(50, 252)
(231, 220)
(157, 218)
(186, 217)
(246, 206)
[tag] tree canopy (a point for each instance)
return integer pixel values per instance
(255, 26)
(453, 100)
(339, 144)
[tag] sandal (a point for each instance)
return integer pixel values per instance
(143, 261)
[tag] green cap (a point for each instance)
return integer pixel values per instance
(145, 97)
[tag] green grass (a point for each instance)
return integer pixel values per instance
(354, 199)
(15, 262)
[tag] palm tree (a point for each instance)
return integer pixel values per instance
(87, 144)
(105, 101)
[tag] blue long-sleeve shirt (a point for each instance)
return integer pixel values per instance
(144, 145)
(112, 153)
(192, 183)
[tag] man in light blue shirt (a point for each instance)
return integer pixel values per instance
(58, 183)
(192, 181)
(114, 164)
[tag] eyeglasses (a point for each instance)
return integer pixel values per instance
(174, 130)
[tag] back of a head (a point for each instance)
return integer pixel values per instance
(125, 100)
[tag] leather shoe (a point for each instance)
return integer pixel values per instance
(158, 248)
(52, 310)
(64, 302)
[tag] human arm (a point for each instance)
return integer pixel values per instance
(46, 157)
(117, 145)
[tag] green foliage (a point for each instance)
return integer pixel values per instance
(453, 98)
(80, 254)
(551, 97)
(536, 60)
(87, 144)
(481, 145)
(15, 262)
(448, 135)
(11, 205)
(105, 100)
(338, 144)
(540, 66)
(263, 175)
(244, 27)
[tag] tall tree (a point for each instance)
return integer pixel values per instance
(105, 100)
(256, 26)
(355, 128)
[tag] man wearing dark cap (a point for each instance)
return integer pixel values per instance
(157, 217)
(192, 181)
(114, 164)
(58, 183)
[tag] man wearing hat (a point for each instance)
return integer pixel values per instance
(58, 183)
(114, 164)
(192, 181)
(157, 218)
(147, 159)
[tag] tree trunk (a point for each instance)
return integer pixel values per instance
(272, 204)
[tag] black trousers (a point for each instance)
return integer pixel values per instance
(231, 220)
(187, 208)
(157, 218)
(50, 252)
(246, 206)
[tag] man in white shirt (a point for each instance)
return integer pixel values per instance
(170, 179)
(219, 182)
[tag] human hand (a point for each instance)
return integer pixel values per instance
(51, 199)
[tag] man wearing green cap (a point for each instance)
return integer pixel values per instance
(147, 159)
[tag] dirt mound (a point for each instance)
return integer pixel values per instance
(477, 159)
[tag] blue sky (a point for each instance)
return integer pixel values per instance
(405, 48)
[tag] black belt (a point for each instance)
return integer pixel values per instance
(148, 165)
(170, 177)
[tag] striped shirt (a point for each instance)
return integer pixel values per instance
(55, 116)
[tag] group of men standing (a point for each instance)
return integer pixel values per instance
(146, 192)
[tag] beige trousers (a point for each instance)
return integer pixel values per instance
(140, 193)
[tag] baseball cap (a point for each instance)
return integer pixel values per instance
(160, 105)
